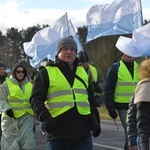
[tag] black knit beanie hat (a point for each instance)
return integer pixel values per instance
(66, 41)
(83, 57)
(2, 64)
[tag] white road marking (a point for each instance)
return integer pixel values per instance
(111, 147)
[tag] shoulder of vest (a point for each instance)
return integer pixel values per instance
(117, 64)
(92, 66)
(136, 63)
(28, 82)
(79, 66)
(52, 65)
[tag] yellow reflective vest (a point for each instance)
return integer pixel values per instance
(19, 100)
(94, 73)
(125, 86)
(62, 97)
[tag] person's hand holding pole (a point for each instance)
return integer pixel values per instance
(10, 113)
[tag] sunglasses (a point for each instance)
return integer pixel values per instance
(20, 71)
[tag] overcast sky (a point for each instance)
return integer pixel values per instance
(26, 13)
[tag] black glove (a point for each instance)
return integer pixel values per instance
(10, 113)
(97, 100)
(113, 114)
(97, 132)
(51, 126)
(95, 123)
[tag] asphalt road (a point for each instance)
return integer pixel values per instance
(110, 138)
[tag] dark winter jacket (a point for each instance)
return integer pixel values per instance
(142, 101)
(143, 124)
(131, 123)
(68, 125)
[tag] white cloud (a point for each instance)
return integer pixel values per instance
(146, 14)
(14, 14)
(11, 15)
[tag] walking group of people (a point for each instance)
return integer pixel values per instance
(65, 95)
(69, 116)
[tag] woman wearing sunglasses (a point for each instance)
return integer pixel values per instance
(17, 117)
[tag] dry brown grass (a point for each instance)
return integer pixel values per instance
(104, 113)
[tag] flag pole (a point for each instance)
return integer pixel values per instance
(142, 19)
(72, 26)
(141, 13)
(77, 38)
(68, 33)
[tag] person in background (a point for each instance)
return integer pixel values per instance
(121, 80)
(3, 77)
(142, 102)
(96, 78)
(68, 116)
(95, 81)
(33, 75)
(17, 115)
(8, 71)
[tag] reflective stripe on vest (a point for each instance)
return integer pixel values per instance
(62, 97)
(125, 85)
(19, 100)
(65, 92)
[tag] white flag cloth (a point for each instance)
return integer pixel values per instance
(119, 17)
(138, 45)
(44, 42)
(47, 36)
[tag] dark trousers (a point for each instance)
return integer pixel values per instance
(70, 144)
(123, 115)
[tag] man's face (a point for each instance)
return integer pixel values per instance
(67, 54)
(85, 65)
(127, 58)
(2, 71)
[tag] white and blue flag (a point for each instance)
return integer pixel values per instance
(44, 42)
(138, 45)
(119, 17)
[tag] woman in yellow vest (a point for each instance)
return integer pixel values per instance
(17, 115)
